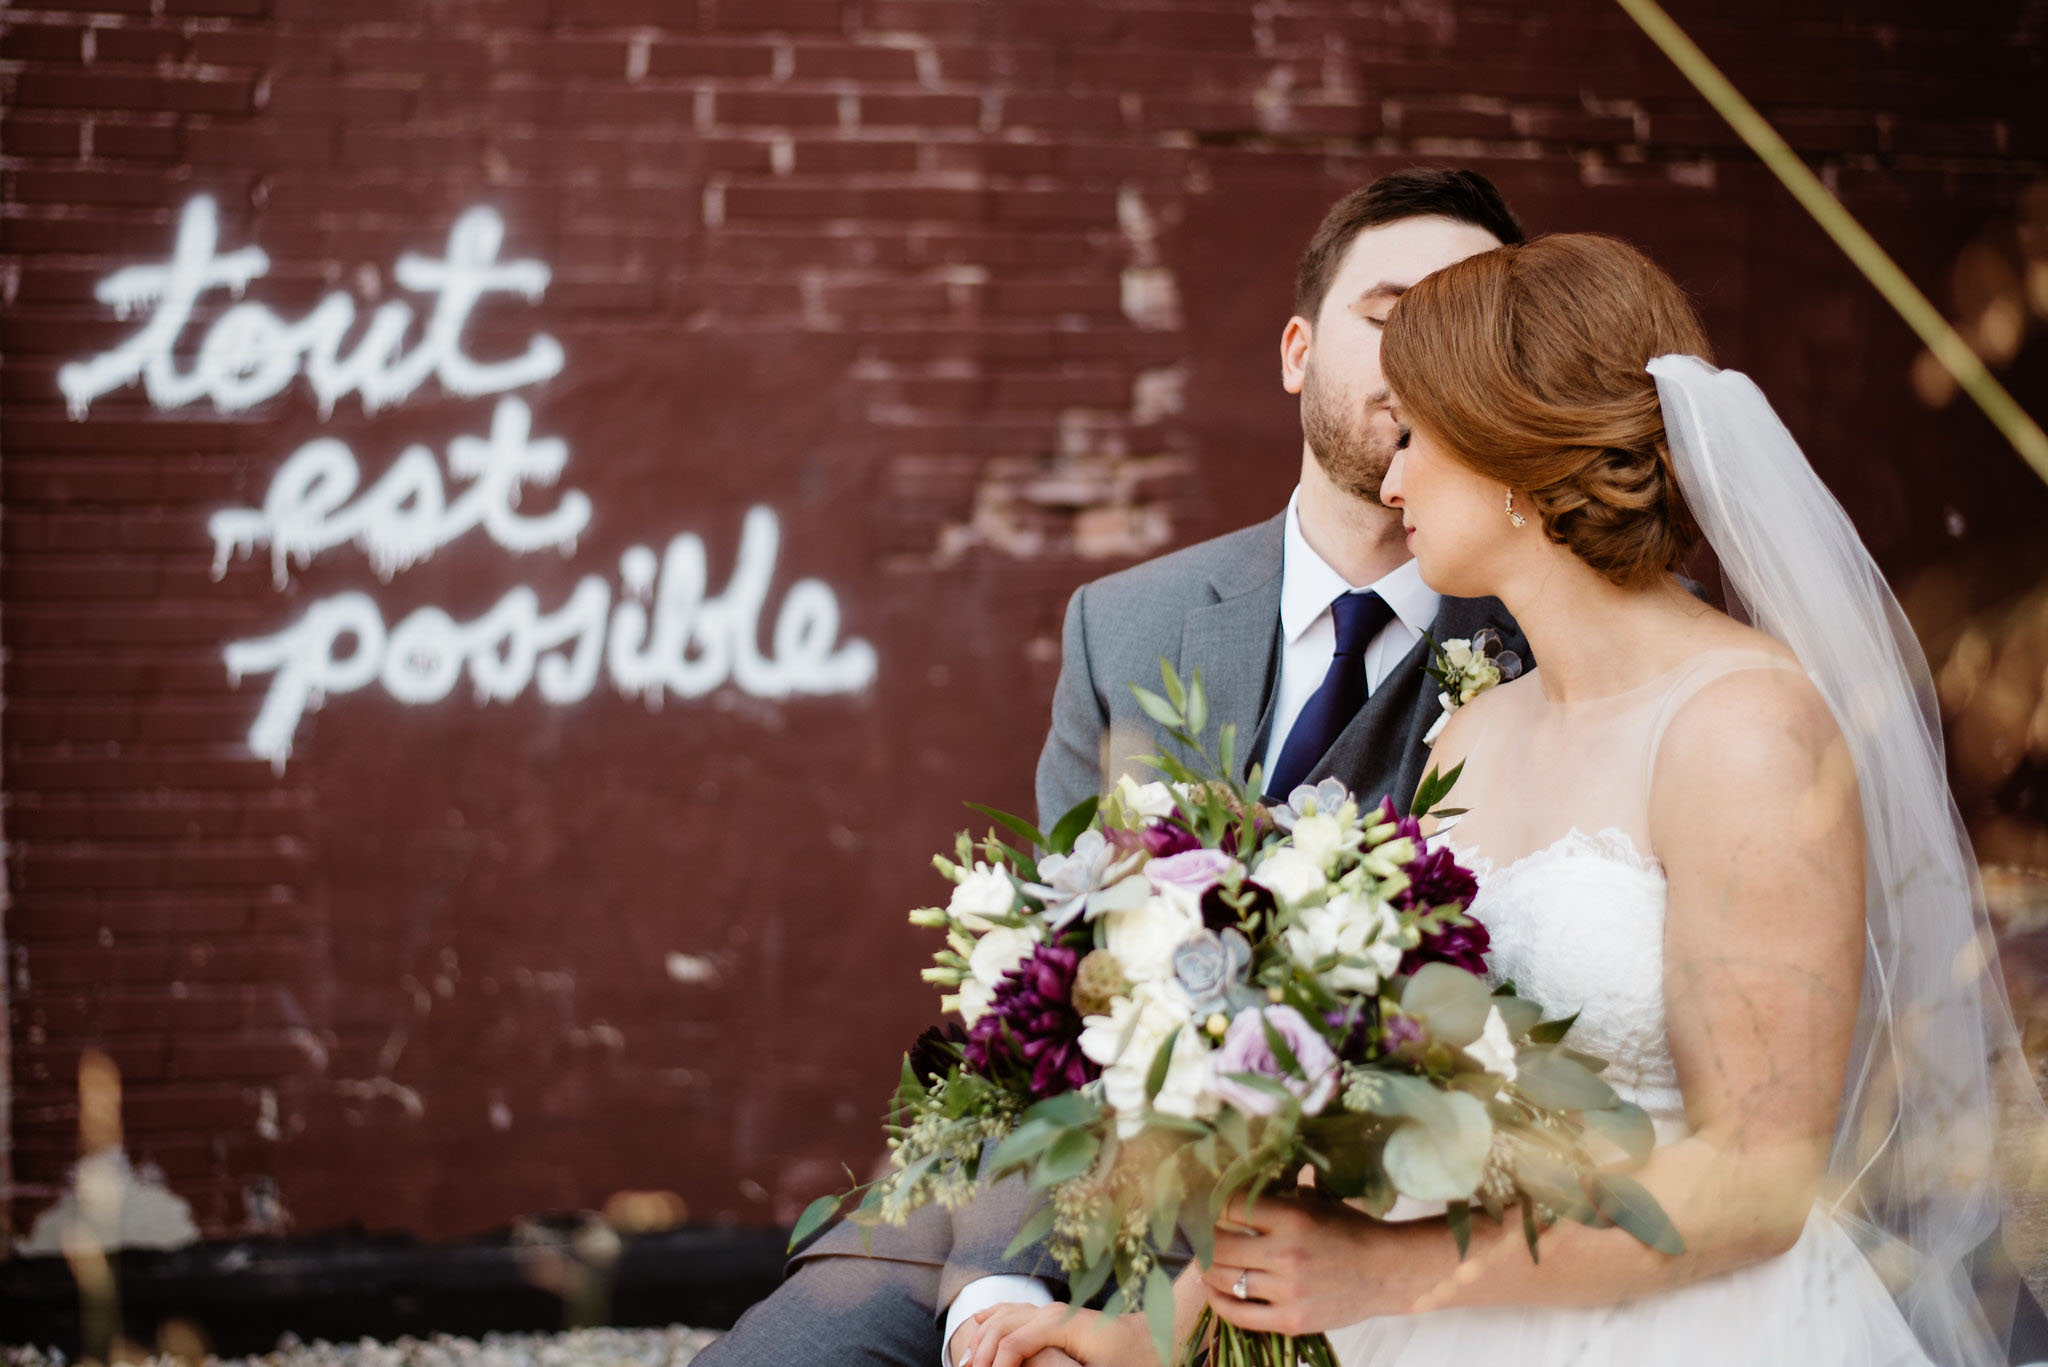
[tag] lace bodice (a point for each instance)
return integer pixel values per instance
(1577, 921)
(1578, 926)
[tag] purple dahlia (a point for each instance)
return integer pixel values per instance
(1032, 1026)
(1459, 946)
(1435, 879)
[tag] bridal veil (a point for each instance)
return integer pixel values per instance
(1942, 1139)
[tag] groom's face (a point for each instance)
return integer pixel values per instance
(1344, 415)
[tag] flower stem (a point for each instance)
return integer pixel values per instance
(1219, 1343)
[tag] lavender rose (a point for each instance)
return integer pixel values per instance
(1245, 1050)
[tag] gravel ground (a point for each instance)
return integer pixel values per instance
(670, 1347)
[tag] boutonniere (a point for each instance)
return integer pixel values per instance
(1464, 668)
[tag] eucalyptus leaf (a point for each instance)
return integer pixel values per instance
(1072, 1154)
(1549, 1178)
(814, 1217)
(1384, 1092)
(1155, 1076)
(1626, 1126)
(1450, 1002)
(1069, 827)
(1016, 824)
(1434, 788)
(1025, 1143)
(1442, 1164)
(1035, 1228)
(1065, 1109)
(1520, 1014)
(1629, 1204)
(1198, 1225)
(1156, 707)
(1159, 1311)
(1174, 691)
(1091, 1280)
(1550, 1079)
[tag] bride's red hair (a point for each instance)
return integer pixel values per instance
(1527, 361)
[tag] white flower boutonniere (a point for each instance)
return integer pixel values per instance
(1463, 669)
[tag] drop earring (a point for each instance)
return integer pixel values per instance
(1514, 516)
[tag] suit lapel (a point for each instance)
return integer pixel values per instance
(1381, 752)
(1232, 642)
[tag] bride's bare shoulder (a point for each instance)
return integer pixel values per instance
(1756, 728)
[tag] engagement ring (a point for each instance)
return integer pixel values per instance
(1241, 1288)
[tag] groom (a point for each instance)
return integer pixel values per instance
(1307, 629)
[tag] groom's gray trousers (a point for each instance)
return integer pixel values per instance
(1212, 608)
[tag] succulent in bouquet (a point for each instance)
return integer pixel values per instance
(1183, 993)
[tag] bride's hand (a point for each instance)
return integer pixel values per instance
(1024, 1335)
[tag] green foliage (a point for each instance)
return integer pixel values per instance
(1433, 789)
(1628, 1204)
(1451, 1003)
(813, 1219)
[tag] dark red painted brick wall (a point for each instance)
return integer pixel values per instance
(980, 296)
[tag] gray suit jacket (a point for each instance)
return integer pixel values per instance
(1215, 607)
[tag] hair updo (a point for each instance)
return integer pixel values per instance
(1528, 362)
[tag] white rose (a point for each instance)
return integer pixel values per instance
(1144, 937)
(1126, 1042)
(1144, 799)
(1458, 653)
(995, 954)
(1291, 875)
(1348, 926)
(1494, 1050)
(983, 893)
(1324, 836)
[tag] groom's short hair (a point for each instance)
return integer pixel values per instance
(1419, 192)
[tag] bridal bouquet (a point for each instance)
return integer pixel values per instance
(1181, 994)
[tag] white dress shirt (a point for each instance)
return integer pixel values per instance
(1308, 638)
(1308, 629)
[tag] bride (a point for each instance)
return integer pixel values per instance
(1727, 846)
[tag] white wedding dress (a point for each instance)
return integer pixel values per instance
(1574, 898)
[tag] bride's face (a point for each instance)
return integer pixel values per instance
(1454, 517)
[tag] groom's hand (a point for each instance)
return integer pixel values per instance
(1304, 1260)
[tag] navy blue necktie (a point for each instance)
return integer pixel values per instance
(1330, 709)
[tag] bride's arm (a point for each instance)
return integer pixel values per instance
(1756, 819)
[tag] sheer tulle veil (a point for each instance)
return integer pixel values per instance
(1939, 1144)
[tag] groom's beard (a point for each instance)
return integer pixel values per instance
(1339, 428)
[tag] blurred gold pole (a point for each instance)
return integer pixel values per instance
(97, 1229)
(1861, 248)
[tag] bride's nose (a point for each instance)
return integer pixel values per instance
(1390, 485)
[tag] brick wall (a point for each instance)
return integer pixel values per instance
(980, 296)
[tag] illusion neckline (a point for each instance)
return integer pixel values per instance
(1608, 844)
(1697, 659)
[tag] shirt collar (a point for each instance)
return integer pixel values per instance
(1308, 585)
